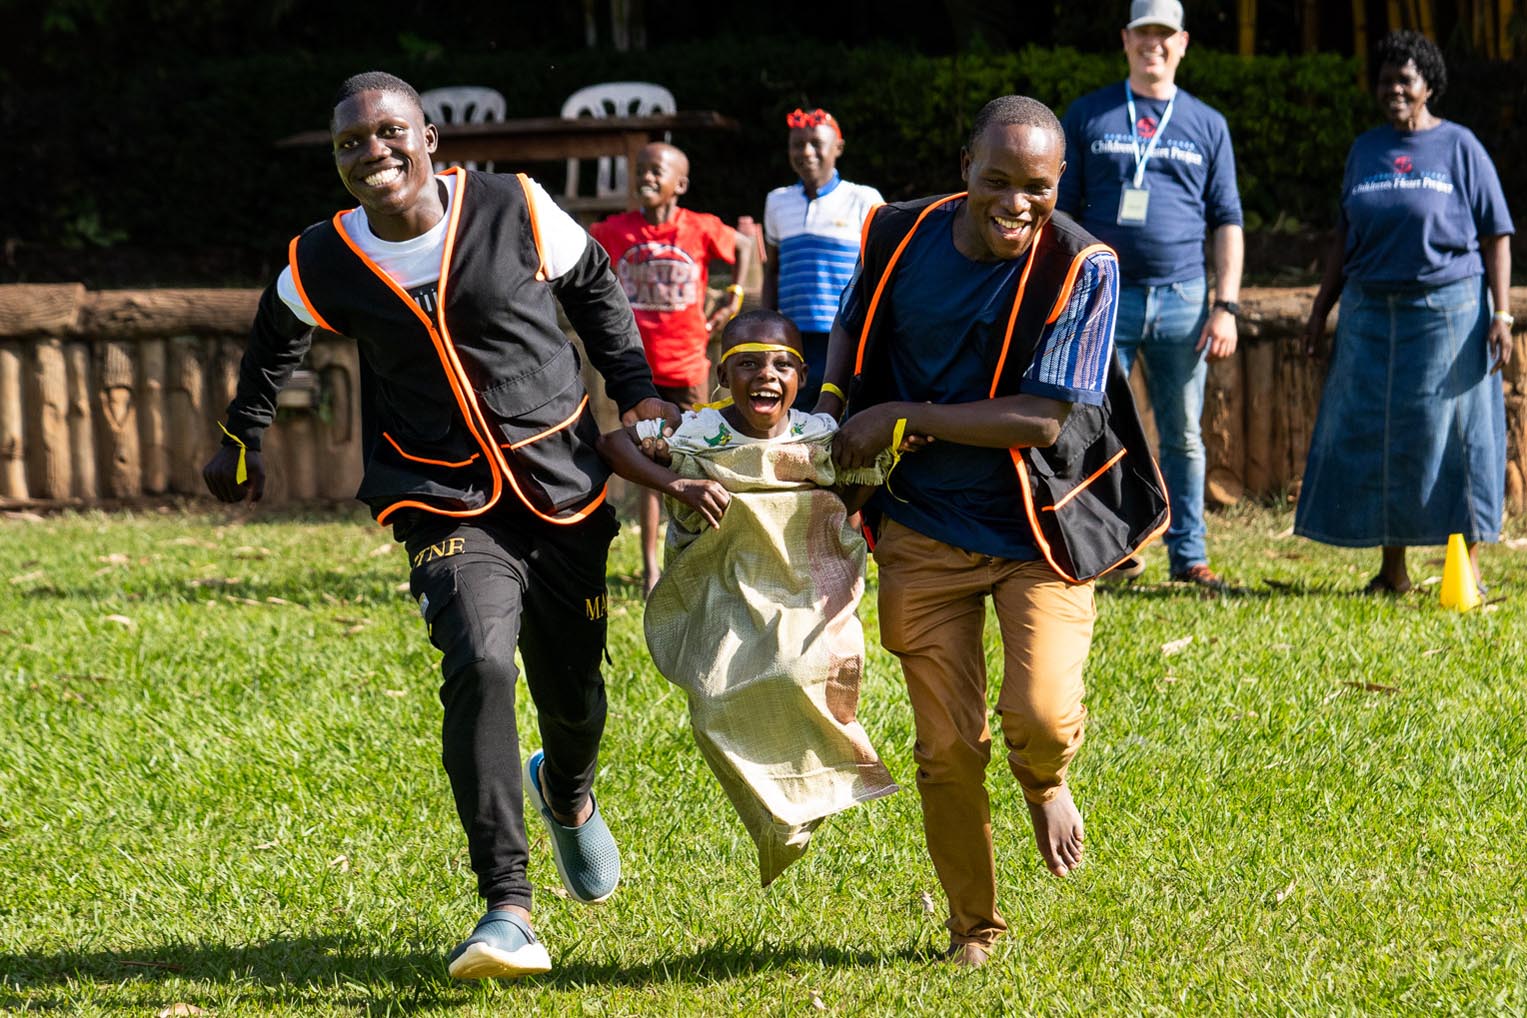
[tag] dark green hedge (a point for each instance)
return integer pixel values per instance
(181, 155)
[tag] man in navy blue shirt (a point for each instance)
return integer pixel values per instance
(1149, 169)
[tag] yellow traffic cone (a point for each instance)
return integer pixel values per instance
(1460, 590)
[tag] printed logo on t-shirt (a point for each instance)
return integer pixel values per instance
(1407, 178)
(1180, 150)
(425, 295)
(658, 277)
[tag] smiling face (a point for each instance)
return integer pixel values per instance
(382, 150)
(1403, 94)
(763, 384)
(1012, 175)
(662, 174)
(1154, 51)
(814, 153)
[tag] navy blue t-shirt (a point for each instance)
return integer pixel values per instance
(946, 318)
(1415, 203)
(1190, 177)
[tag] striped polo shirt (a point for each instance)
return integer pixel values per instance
(818, 242)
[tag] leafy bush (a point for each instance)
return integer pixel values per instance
(181, 154)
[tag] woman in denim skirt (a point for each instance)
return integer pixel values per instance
(1410, 443)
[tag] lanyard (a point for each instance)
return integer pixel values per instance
(1134, 132)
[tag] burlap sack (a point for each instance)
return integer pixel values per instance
(756, 622)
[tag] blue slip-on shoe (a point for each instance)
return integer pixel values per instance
(586, 856)
(501, 946)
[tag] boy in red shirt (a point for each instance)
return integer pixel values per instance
(661, 254)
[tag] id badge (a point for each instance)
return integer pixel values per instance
(1133, 201)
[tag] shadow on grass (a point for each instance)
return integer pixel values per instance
(340, 970)
(1186, 591)
(305, 591)
(354, 972)
(720, 962)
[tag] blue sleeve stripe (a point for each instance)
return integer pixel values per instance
(1076, 347)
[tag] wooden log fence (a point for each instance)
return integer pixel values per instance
(113, 397)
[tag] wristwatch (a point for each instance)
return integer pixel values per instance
(1230, 306)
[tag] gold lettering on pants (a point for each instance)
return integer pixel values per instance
(595, 607)
(445, 549)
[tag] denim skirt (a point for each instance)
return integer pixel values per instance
(1410, 442)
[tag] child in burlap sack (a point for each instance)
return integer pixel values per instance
(754, 616)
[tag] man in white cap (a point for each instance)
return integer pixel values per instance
(1149, 169)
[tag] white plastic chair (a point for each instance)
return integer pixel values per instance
(613, 99)
(462, 104)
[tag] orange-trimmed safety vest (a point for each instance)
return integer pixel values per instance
(1094, 497)
(478, 403)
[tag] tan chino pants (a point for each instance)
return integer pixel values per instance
(932, 614)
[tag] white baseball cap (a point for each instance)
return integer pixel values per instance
(1167, 13)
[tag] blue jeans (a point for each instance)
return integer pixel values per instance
(1162, 324)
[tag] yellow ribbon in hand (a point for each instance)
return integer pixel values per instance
(242, 473)
(897, 436)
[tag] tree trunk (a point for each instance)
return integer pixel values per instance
(1429, 19)
(620, 25)
(301, 434)
(1247, 24)
(118, 421)
(51, 475)
(1224, 433)
(151, 430)
(1257, 385)
(132, 314)
(1309, 25)
(13, 464)
(40, 309)
(81, 421)
(185, 412)
(1360, 41)
(337, 363)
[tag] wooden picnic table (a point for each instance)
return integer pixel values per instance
(550, 139)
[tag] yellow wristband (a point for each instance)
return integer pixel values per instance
(242, 473)
(735, 288)
(829, 387)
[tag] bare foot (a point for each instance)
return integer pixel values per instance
(1058, 830)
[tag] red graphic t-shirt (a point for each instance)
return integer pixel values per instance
(663, 270)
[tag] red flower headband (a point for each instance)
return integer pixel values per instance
(813, 118)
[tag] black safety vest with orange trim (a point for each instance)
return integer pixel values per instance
(481, 403)
(1096, 495)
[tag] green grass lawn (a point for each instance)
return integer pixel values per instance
(220, 786)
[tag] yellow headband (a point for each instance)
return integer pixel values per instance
(760, 348)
